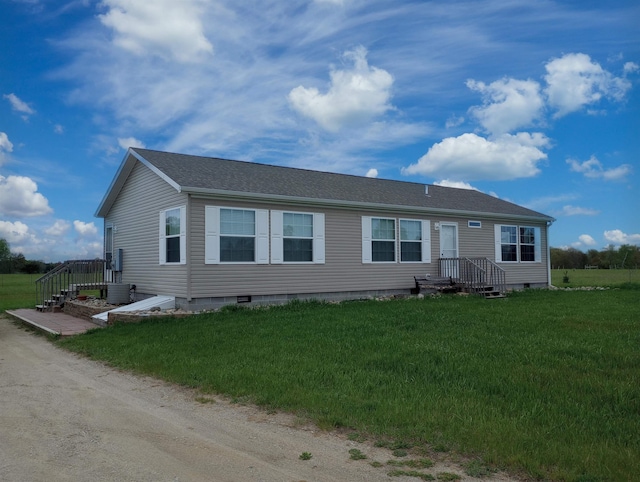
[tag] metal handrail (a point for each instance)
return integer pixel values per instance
(67, 279)
(476, 274)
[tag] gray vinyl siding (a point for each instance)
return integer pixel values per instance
(343, 270)
(135, 217)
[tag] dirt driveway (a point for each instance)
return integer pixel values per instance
(63, 417)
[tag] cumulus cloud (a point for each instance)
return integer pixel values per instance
(19, 197)
(508, 104)
(587, 240)
(616, 236)
(85, 229)
(161, 27)
(127, 142)
(570, 210)
(18, 105)
(456, 184)
(372, 172)
(59, 228)
(574, 81)
(630, 67)
(593, 168)
(470, 157)
(14, 233)
(354, 97)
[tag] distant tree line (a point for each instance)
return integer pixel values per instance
(17, 263)
(626, 256)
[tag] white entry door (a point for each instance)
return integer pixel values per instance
(449, 248)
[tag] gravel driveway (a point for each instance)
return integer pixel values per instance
(64, 417)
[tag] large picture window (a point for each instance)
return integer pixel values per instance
(173, 236)
(297, 237)
(236, 235)
(517, 244)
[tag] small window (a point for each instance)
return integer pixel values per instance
(173, 236)
(474, 224)
(410, 241)
(297, 233)
(237, 235)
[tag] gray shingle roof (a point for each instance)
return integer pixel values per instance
(206, 174)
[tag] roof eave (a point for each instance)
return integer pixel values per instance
(248, 196)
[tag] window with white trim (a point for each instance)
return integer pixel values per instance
(517, 244)
(236, 235)
(173, 242)
(297, 237)
(380, 237)
(415, 241)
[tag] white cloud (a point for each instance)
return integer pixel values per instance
(454, 121)
(616, 236)
(630, 67)
(508, 104)
(587, 240)
(5, 146)
(18, 105)
(372, 173)
(570, 210)
(470, 157)
(456, 184)
(14, 233)
(160, 27)
(19, 197)
(354, 97)
(58, 129)
(59, 228)
(85, 229)
(575, 81)
(127, 142)
(593, 168)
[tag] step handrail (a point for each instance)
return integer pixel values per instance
(67, 279)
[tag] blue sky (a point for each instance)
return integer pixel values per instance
(534, 102)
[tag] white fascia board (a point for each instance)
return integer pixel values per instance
(245, 196)
(157, 171)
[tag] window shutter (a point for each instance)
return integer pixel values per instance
(162, 245)
(498, 242)
(538, 248)
(211, 235)
(277, 246)
(183, 235)
(426, 241)
(366, 239)
(318, 238)
(262, 236)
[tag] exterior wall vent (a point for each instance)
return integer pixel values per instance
(243, 299)
(426, 189)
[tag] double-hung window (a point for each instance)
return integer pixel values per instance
(380, 237)
(235, 235)
(172, 247)
(517, 244)
(297, 237)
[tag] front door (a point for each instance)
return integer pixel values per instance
(449, 249)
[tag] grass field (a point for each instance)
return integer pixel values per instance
(17, 291)
(543, 383)
(594, 277)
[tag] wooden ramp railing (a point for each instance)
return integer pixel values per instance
(479, 276)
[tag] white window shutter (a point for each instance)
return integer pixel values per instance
(277, 245)
(426, 241)
(318, 238)
(366, 239)
(162, 245)
(262, 236)
(211, 235)
(183, 234)
(538, 246)
(498, 242)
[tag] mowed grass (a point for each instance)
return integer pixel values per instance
(17, 291)
(545, 383)
(594, 277)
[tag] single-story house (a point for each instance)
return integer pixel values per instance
(212, 231)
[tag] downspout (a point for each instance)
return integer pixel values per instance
(188, 248)
(549, 223)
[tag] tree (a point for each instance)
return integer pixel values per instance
(5, 256)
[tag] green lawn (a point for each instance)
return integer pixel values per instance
(594, 277)
(545, 383)
(17, 291)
